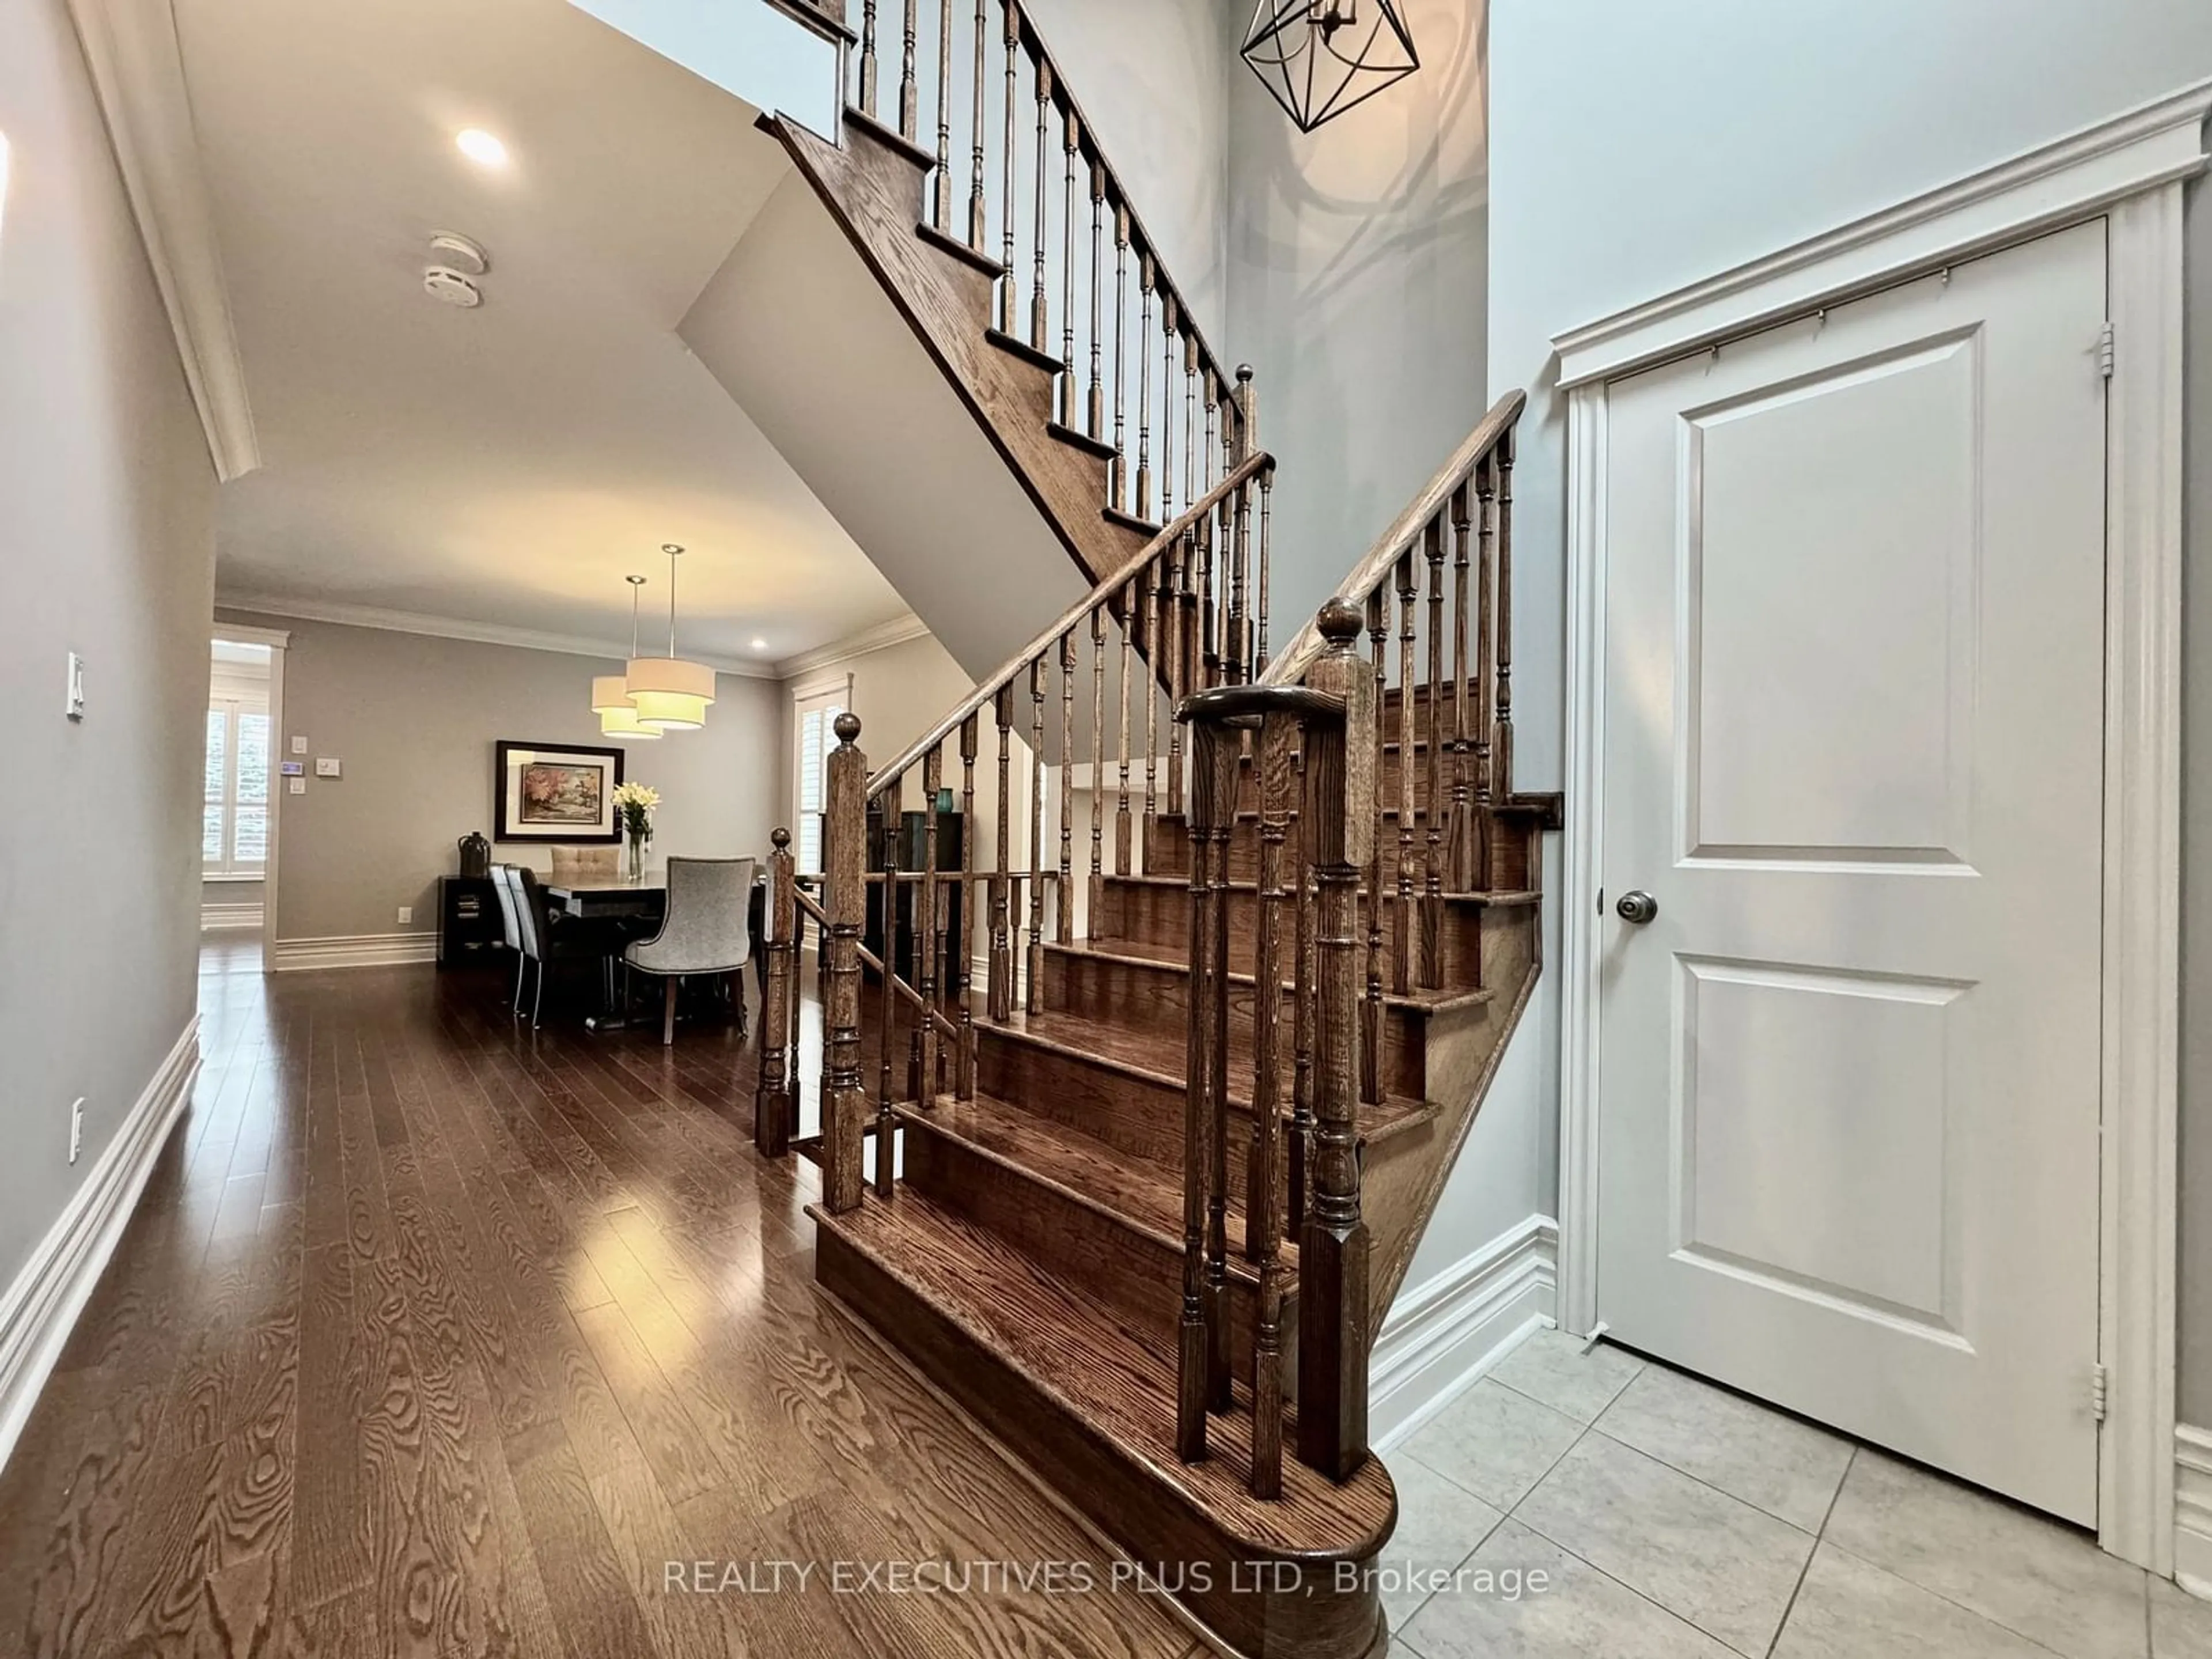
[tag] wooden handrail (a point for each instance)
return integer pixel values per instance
(1372, 571)
(1250, 467)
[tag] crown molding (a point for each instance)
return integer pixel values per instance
(880, 638)
(454, 627)
(138, 69)
(2051, 185)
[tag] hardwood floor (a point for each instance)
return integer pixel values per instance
(433, 1336)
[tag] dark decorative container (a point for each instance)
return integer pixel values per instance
(475, 855)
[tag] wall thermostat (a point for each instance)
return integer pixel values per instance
(326, 768)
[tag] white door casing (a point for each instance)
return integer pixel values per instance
(1854, 672)
(2130, 168)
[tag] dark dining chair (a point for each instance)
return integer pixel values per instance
(502, 887)
(548, 940)
(705, 930)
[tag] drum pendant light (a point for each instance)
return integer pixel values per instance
(670, 694)
(610, 692)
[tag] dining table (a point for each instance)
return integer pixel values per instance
(645, 896)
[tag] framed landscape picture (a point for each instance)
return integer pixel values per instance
(555, 792)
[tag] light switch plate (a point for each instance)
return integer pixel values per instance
(327, 767)
(75, 706)
(296, 785)
(298, 746)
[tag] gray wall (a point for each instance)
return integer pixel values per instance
(414, 719)
(107, 548)
(1631, 154)
(1357, 259)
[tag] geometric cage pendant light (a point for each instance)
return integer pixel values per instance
(610, 692)
(1321, 58)
(669, 694)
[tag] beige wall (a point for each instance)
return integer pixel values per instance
(414, 718)
(107, 548)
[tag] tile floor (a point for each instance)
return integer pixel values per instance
(1674, 1518)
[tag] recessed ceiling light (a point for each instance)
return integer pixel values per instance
(481, 147)
(760, 644)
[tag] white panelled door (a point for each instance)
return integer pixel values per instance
(1852, 751)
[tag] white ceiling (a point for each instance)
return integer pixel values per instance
(502, 467)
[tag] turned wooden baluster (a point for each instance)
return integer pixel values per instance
(1209, 540)
(1190, 456)
(868, 58)
(1486, 647)
(1066, 912)
(940, 209)
(978, 213)
(1002, 945)
(1433, 869)
(1237, 664)
(772, 1101)
(1097, 427)
(910, 99)
(1370, 1078)
(1337, 820)
(1129, 602)
(1405, 936)
(1263, 1222)
(1505, 744)
(963, 970)
(1097, 897)
(1175, 597)
(1072, 140)
(1147, 274)
(1034, 996)
(1266, 506)
(1157, 656)
(931, 940)
(1459, 856)
(1009, 298)
(1117, 470)
(1302, 1079)
(1040, 312)
(1212, 808)
(891, 798)
(1171, 321)
(845, 899)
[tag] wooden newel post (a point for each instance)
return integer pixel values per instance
(844, 865)
(772, 1112)
(1337, 820)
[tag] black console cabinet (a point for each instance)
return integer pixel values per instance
(469, 930)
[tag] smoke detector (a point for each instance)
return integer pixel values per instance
(443, 282)
(463, 253)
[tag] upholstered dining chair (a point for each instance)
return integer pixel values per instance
(548, 942)
(587, 866)
(503, 887)
(705, 930)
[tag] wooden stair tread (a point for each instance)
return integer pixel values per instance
(960, 250)
(891, 137)
(1150, 954)
(1110, 1382)
(1489, 901)
(1165, 1061)
(1014, 346)
(1146, 1195)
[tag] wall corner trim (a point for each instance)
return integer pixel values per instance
(40, 1308)
(295, 956)
(137, 71)
(1444, 1333)
(2063, 182)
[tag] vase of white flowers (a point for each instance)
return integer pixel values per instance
(635, 805)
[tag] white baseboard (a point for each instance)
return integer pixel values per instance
(38, 1311)
(226, 918)
(2193, 1510)
(293, 956)
(1444, 1334)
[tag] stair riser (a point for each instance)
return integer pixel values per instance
(1156, 1001)
(1131, 1272)
(1216, 1577)
(1138, 1115)
(1160, 914)
(1171, 852)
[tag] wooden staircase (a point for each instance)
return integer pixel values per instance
(1135, 1175)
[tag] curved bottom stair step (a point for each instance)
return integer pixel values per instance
(1089, 1406)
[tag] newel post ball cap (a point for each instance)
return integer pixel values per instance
(780, 839)
(1340, 624)
(847, 727)
(1243, 373)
